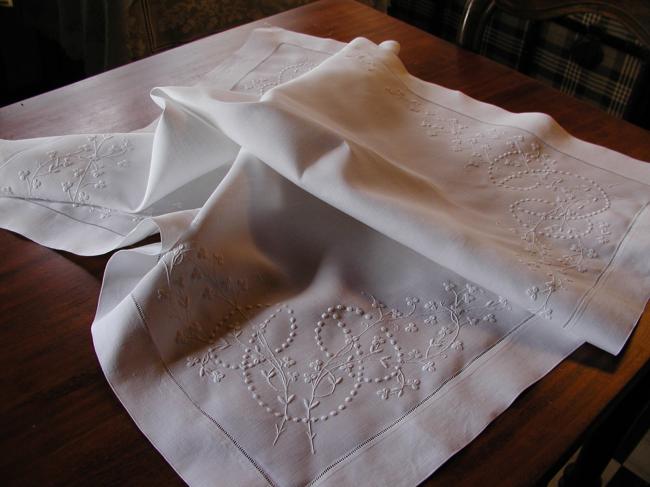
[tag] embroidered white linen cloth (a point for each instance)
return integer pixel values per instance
(92, 193)
(377, 268)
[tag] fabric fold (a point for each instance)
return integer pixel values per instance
(491, 201)
(90, 194)
(357, 272)
(299, 333)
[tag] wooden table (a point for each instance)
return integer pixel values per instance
(60, 424)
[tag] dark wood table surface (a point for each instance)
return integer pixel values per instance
(60, 424)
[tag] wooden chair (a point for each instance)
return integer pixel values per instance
(632, 15)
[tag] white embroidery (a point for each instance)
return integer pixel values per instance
(78, 172)
(287, 73)
(366, 60)
(354, 346)
(556, 225)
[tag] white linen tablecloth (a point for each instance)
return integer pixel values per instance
(357, 272)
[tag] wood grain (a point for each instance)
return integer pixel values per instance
(60, 424)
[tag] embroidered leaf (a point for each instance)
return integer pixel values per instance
(330, 385)
(291, 398)
(314, 404)
(383, 393)
(269, 374)
(429, 367)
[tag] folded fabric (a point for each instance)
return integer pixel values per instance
(368, 268)
(90, 194)
(509, 201)
(280, 341)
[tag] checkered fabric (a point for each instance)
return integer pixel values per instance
(609, 84)
(545, 50)
(504, 39)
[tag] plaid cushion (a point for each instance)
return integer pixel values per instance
(504, 38)
(450, 17)
(545, 50)
(609, 84)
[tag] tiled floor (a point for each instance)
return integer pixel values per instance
(635, 471)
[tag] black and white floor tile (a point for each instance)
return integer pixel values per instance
(634, 472)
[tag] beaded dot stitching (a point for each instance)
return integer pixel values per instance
(558, 230)
(287, 73)
(354, 346)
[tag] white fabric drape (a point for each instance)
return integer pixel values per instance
(358, 270)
